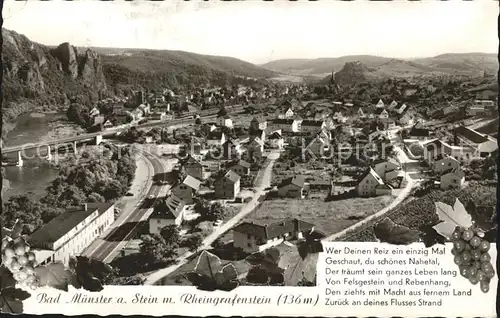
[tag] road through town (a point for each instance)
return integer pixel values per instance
(126, 226)
(264, 179)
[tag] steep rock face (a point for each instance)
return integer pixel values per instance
(352, 73)
(66, 54)
(37, 76)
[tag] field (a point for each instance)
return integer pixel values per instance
(419, 212)
(329, 217)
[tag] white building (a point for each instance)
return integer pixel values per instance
(444, 162)
(258, 236)
(452, 179)
(71, 232)
(169, 213)
(368, 183)
(387, 169)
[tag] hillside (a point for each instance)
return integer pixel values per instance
(40, 77)
(466, 64)
(37, 77)
(174, 68)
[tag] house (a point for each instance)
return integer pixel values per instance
(286, 125)
(257, 236)
(193, 168)
(476, 110)
(169, 212)
(255, 149)
(231, 149)
(381, 113)
(288, 113)
(186, 189)
(361, 113)
(107, 124)
(483, 144)
(406, 119)
(145, 109)
(387, 169)
(312, 126)
(258, 124)
(225, 121)
(158, 114)
(435, 149)
(444, 162)
(94, 112)
(241, 167)
(421, 134)
(400, 109)
(452, 179)
(337, 116)
(71, 232)
(380, 103)
(319, 146)
(98, 120)
(392, 105)
(227, 186)
(216, 138)
(292, 187)
(259, 133)
(367, 183)
(276, 140)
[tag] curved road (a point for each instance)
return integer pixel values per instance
(125, 229)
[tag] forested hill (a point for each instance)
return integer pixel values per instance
(175, 68)
(40, 77)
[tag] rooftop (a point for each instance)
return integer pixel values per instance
(65, 222)
(271, 230)
(296, 180)
(470, 134)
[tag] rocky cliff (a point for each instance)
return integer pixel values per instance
(353, 73)
(36, 76)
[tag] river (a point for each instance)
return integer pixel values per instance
(36, 175)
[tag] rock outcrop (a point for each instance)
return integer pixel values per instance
(353, 73)
(37, 75)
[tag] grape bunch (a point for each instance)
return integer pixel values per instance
(16, 256)
(472, 256)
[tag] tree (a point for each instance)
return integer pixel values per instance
(27, 208)
(170, 234)
(193, 242)
(215, 212)
(222, 112)
(156, 250)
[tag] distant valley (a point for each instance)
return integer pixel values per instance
(445, 64)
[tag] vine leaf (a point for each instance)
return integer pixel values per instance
(88, 273)
(431, 237)
(389, 232)
(11, 300)
(210, 275)
(310, 244)
(54, 275)
(451, 217)
(10, 297)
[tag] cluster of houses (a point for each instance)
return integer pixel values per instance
(447, 160)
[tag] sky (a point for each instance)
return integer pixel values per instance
(259, 32)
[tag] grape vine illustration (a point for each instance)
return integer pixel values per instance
(20, 271)
(470, 249)
(472, 256)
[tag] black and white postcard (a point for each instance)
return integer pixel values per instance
(248, 158)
